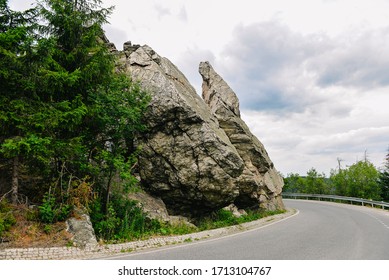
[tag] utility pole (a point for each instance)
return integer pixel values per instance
(365, 157)
(339, 161)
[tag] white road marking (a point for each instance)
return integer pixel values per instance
(379, 220)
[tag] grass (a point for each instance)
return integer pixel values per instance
(217, 219)
(224, 218)
(28, 232)
(128, 250)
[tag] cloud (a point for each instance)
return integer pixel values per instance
(265, 63)
(358, 60)
(161, 11)
(176, 10)
(188, 62)
(183, 15)
(21, 5)
(309, 98)
(275, 68)
(116, 35)
(298, 141)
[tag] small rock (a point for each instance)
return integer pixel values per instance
(235, 211)
(82, 230)
(128, 48)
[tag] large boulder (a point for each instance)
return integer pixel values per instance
(259, 184)
(186, 158)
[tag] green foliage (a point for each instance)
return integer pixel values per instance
(313, 182)
(46, 210)
(224, 218)
(175, 229)
(362, 180)
(358, 180)
(65, 112)
(7, 219)
(47, 228)
(107, 226)
(126, 221)
(123, 221)
(294, 183)
(50, 211)
(32, 215)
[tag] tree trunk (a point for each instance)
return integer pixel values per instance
(15, 180)
(108, 191)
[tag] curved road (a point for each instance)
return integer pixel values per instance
(321, 230)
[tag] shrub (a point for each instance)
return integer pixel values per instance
(126, 220)
(50, 211)
(224, 218)
(7, 219)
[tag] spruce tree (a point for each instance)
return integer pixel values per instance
(20, 139)
(83, 74)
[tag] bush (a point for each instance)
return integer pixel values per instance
(125, 220)
(224, 218)
(50, 211)
(7, 219)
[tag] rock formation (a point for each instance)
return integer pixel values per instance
(81, 229)
(187, 158)
(260, 184)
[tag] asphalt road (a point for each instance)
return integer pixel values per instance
(321, 231)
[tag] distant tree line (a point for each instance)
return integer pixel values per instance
(362, 179)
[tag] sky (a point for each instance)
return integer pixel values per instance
(312, 76)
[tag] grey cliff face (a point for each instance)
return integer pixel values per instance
(259, 184)
(190, 158)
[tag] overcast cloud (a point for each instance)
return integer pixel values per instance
(311, 75)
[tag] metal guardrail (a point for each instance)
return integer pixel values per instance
(361, 201)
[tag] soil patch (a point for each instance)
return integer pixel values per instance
(28, 232)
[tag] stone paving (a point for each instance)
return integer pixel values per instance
(62, 253)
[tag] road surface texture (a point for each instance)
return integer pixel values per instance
(321, 231)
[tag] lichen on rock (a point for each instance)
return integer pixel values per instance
(81, 229)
